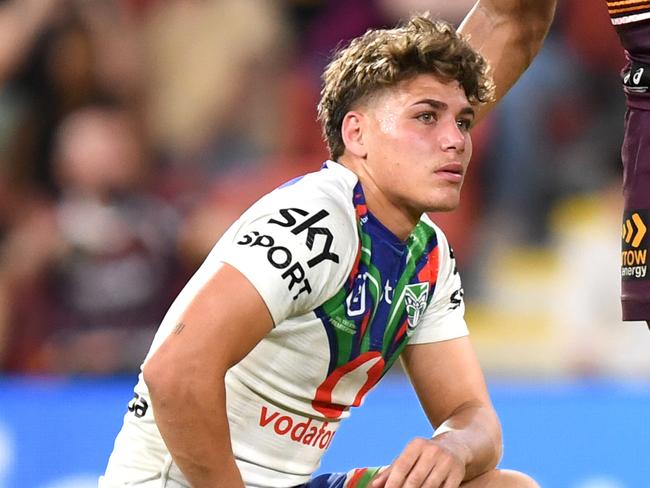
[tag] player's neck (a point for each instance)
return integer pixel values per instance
(395, 217)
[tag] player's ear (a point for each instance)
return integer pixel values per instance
(352, 133)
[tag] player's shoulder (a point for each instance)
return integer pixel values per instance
(301, 238)
(324, 197)
(333, 185)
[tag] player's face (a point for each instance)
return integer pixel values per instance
(418, 143)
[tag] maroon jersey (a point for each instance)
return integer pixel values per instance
(631, 19)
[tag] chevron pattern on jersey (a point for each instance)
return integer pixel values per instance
(368, 322)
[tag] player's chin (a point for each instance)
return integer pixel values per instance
(447, 208)
(444, 203)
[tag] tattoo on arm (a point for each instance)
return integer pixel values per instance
(179, 328)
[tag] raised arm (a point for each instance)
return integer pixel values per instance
(185, 376)
(509, 33)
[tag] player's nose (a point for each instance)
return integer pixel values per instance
(452, 137)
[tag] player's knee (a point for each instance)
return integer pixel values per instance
(516, 479)
(502, 478)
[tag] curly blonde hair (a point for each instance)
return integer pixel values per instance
(384, 57)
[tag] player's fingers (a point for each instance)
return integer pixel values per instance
(397, 475)
(449, 470)
(422, 469)
(445, 473)
(401, 467)
(454, 479)
(435, 479)
(418, 475)
(379, 480)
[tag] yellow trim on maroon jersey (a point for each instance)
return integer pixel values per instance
(618, 3)
(628, 11)
(629, 7)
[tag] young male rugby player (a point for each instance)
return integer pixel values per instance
(311, 296)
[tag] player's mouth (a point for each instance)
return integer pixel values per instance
(451, 172)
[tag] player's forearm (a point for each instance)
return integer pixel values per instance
(191, 417)
(474, 433)
(503, 29)
(509, 34)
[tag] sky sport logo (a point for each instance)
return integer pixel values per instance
(634, 255)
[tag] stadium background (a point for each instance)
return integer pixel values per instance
(132, 132)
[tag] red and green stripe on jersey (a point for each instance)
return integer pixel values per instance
(369, 321)
(357, 478)
(360, 478)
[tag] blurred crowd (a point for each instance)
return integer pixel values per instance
(133, 132)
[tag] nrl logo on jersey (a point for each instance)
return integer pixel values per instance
(415, 302)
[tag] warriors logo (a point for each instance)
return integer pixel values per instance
(415, 301)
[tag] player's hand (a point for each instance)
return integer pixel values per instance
(426, 463)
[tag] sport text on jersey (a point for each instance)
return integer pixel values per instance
(317, 238)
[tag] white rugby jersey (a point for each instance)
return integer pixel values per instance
(346, 296)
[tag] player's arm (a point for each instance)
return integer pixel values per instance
(185, 376)
(450, 385)
(509, 34)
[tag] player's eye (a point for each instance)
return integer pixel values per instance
(464, 124)
(427, 117)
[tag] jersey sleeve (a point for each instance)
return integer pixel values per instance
(444, 318)
(628, 11)
(296, 253)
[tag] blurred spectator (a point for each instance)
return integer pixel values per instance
(214, 76)
(21, 24)
(93, 272)
(57, 56)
